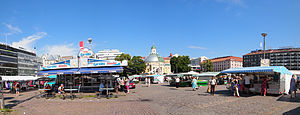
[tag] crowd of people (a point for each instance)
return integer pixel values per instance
(244, 83)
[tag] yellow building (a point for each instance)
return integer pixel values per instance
(156, 64)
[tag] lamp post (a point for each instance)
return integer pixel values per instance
(264, 35)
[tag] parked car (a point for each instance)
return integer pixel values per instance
(131, 84)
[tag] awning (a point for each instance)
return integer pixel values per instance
(205, 74)
(100, 70)
(82, 71)
(18, 78)
(279, 69)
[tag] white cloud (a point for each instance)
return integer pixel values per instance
(12, 29)
(28, 41)
(62, 50)
(197, 47)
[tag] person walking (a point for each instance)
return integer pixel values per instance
(194, 84)
(264, 86)
(213, 84)
(236, 86)
(127, 85)
(177, 81)
(293, 87)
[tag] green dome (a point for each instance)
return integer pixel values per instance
(153, 47)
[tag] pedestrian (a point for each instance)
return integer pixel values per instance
(293, 87)
(247, 83)
(236, 86)
(17, 88)
(149, 81)
(117, 85)
(177, 81)
(146, 81)
(61, 90)
(194, 84)
(213, 84)
(264, 86)
(127, 85)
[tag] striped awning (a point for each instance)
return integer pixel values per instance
(278, 69)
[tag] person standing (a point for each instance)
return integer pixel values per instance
(213, 84)
(293, 87)
(264, 86)
(146, 81)
(177, 80)
(194, 84)
(17, 87)
(149, 81)
(236, 86)
(247, 83)
(127, 85)
(61, 90)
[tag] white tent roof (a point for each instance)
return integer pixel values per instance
(190, 73)
(18, 78)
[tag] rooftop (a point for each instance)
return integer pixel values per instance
(219, 59)
(273, 51)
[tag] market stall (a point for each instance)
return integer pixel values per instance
(278, 78)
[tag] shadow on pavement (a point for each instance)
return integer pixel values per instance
(295, 111)
(287, 98)
(14, 103)
(5, 98)
(224, 92)
(173, 89)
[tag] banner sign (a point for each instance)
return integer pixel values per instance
(58, 65)
(96, 63)
(84, 62)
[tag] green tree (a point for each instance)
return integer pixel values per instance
(123, 57)
(137, 64)
(180, 64)
(208, 66)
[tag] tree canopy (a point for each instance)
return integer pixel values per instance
(123, 57)
(180, 64)
(208, 66)
(135, 63)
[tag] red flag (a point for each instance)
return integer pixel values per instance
(81, 45)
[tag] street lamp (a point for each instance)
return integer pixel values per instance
(264, 35)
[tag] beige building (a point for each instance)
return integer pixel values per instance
(223, 63)
(156, 64)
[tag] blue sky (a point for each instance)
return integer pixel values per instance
(195, 28)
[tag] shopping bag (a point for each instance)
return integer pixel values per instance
(208, 90)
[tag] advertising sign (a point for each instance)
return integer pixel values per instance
(95, 63)
(58, 65)
(86, 53)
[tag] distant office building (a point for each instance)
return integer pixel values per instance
(108, 54)
(196, 63)
(288, 57)
(17, 61)
(223, 63)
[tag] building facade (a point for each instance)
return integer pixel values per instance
(223, 63)
(108, 54)
(288, 57)
(196, 63)
(16, 61)
(156, 64)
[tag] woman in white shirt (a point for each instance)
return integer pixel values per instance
(213, 84)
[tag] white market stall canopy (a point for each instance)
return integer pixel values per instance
(190, 73)
(267, 69)
(18, 78)
(208, 74)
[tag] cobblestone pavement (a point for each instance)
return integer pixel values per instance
(157, 99)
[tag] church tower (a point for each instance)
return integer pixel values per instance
(153, 50)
